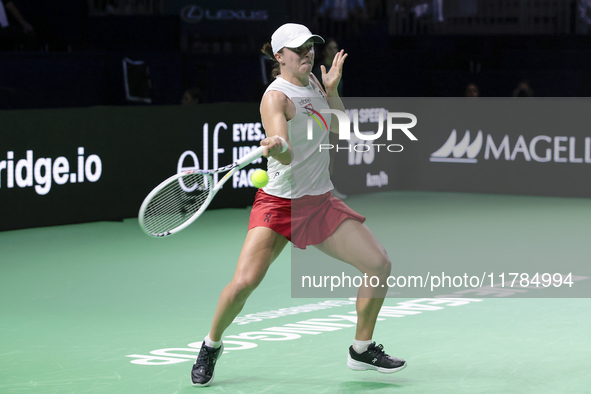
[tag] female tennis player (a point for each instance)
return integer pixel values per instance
(302, 211)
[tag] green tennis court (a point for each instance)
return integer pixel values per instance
(103, 308)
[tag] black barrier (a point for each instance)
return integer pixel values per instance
(80, 165)
(531, 146)
(369, 166)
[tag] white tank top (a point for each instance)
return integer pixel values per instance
(308, 172)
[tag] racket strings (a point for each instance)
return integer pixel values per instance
(176, 203)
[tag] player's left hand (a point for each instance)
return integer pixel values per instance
(332, 78)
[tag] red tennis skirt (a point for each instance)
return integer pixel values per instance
(308, 220)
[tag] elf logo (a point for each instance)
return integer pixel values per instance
(541, 148)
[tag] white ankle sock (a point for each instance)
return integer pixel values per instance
(361, 346)
(210, 343)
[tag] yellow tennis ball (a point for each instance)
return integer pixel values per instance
(259, 178)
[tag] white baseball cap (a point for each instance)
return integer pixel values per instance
(292, 35)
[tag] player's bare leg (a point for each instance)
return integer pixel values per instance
(355, 244)
(260, 249)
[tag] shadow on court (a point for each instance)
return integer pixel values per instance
(359, 387)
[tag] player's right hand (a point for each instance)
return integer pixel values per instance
(273, 146)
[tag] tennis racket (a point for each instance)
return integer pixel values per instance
(181, 199)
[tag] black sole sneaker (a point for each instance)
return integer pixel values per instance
(375, 359)
(203, 373)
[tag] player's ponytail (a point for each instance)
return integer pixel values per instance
(268, 50)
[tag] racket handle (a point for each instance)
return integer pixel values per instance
(252, 156)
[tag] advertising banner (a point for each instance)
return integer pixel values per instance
(534, 146)
(224, 18)
(373, 158)
(79, 165)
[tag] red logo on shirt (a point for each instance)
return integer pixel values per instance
(310, 111)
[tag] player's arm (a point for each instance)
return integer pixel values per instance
(276, 109)
(331, 81)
